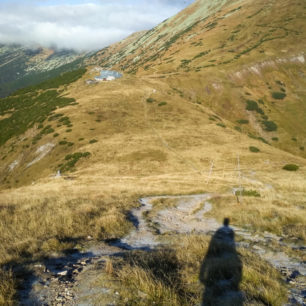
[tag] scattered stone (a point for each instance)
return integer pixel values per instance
(63, 273)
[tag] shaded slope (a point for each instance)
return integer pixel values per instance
(21, 66)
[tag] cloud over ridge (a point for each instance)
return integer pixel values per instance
(82, 25)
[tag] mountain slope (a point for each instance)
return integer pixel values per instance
(234, 54)
(21, 66)
(217, 58)
(211, 101)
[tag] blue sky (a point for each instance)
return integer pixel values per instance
(80, 24)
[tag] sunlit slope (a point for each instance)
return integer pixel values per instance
(197, 91)
(133, 127)
(224, 53)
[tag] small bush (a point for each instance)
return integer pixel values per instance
(221, 124)
(72, 159)
(269, 126)
(162, 103)
(237, 128)
(278, 95)
(62, 142)
(263, 140)
(254, 149)
(68, 130)
(291, 167)
(250, 193)
(150, 100)
(302, 148)
(275, 138)
(253, 106)
(56, 135)
(243, 121)
(293, 139)
(93, 141)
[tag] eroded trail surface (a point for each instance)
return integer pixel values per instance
(72, 279)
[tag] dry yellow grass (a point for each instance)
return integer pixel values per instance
(167, 277)
(150, 149)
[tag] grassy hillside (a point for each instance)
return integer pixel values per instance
(210, 100)
(227, 55)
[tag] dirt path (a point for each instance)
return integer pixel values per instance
(72, 279)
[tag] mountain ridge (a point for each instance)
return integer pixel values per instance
(22, 66)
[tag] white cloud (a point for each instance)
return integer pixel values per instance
(83, 26)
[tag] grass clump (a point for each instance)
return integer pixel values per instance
(162, 103)
(291, 167)
(269, 126)
(278, 95)
(93, 141)
(254, 149)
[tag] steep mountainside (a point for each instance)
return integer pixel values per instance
(21, 66)
(243, 60)
(241, 64)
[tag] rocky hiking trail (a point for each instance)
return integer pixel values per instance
(72, 279)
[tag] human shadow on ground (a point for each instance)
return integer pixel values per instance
(221, 270)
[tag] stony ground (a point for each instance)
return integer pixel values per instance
(75, 279)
